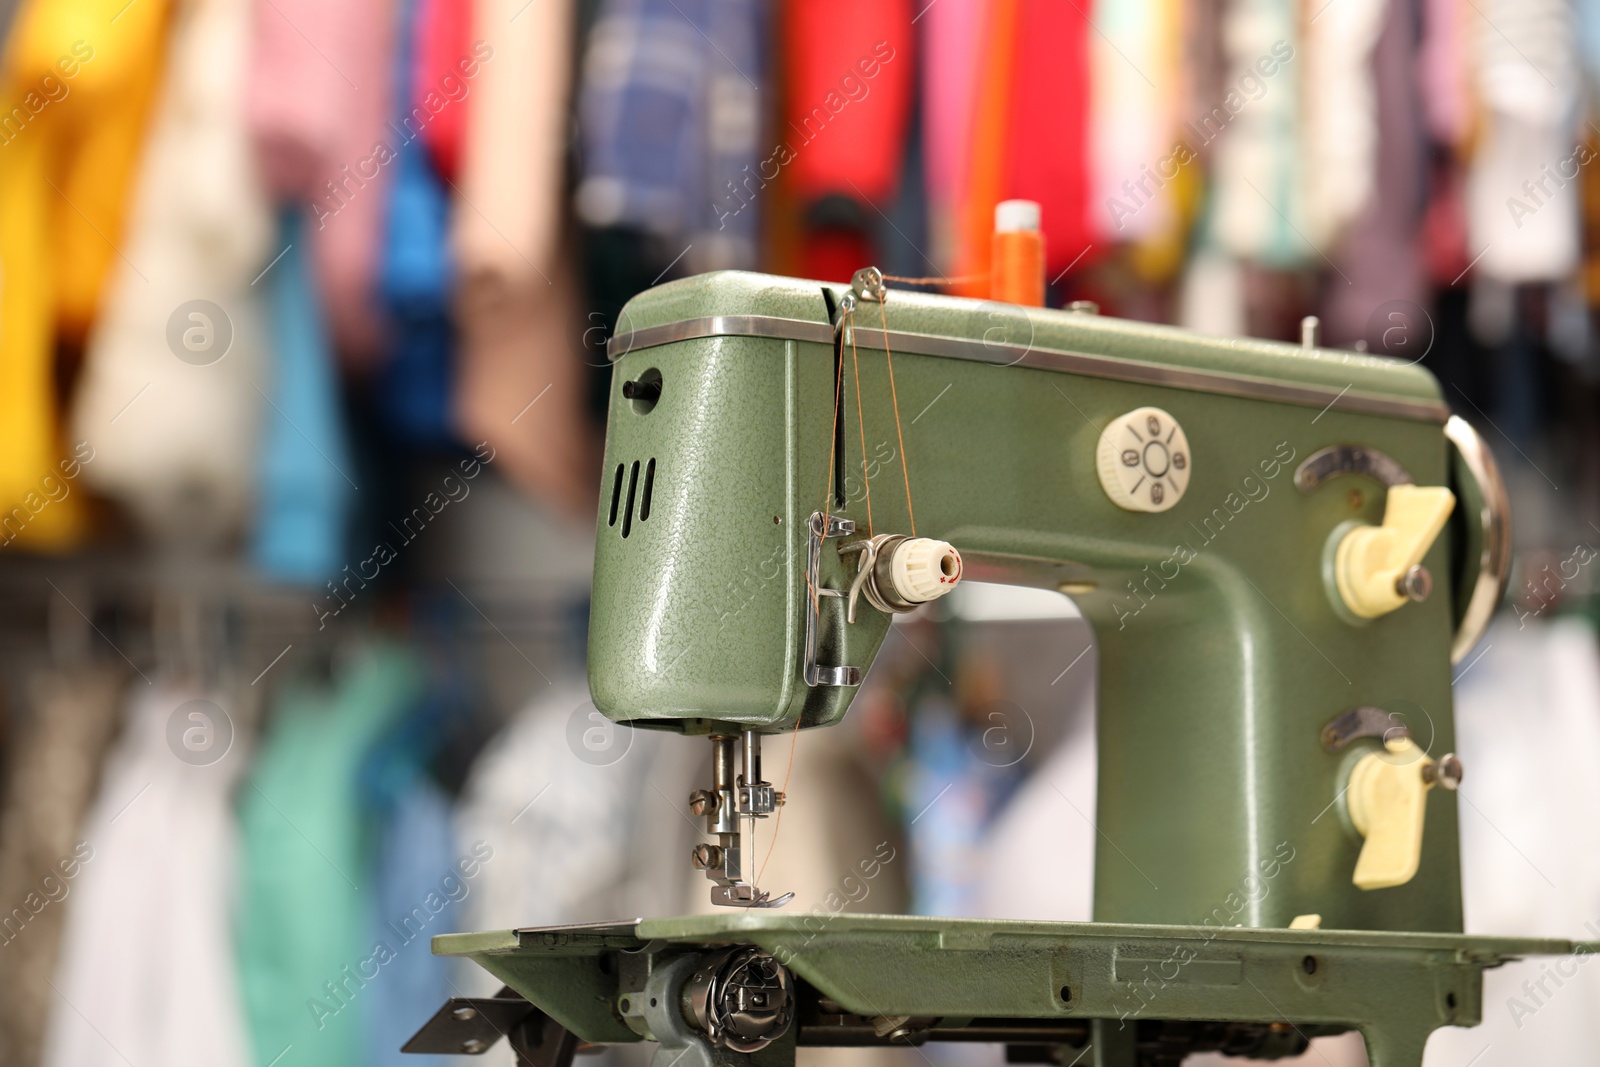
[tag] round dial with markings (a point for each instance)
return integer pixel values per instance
(1143, 460)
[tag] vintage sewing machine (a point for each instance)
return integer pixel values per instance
(1281, 550)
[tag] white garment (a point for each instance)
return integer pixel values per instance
(1041, 851)
(1526, 78)
(1211, 298)
(175, 438)
(1341, 121)
(1260, 195)
(147, 972)
(1527, 723)
(577, 839)
(1131, 118)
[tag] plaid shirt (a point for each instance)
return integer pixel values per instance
(671, 110)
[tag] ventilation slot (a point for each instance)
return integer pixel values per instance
(649, 484)
(627, 511)
(616, 495)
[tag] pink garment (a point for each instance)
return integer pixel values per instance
(508, 200)
(519, 376)
(519, 388)
(952, 39)
(1443, 70)
(319, 103)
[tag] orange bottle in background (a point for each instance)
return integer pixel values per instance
(1017, 268)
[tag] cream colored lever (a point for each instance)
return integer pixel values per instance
(1387, 799)
(1375, 567)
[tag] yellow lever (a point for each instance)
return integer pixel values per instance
(1387, 800)
(1377, 567)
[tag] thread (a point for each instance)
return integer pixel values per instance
(861, 423)
(1017, 268)
(960, 279)
(899, 434)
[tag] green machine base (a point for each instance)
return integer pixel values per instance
(747, 989)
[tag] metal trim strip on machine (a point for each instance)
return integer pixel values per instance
(1239, 385)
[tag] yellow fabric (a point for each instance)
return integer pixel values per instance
(75, 87)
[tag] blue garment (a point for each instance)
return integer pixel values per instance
(953, 793)
(419, 894)
(670, 108)
(416, 274)
(1589, 37)
(304, 489)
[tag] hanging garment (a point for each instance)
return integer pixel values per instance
(985, 181)
(446, 62)
(947, 851)
(671, 107)
(320, 101)
(8, 13)
(1340, 123)
(951, 43)
(1031, 140)
(1259, 209)
(1591, 226)
(1047, 140)
(305, 490)
(1444, 223)
(1445, 70)
(417, 274)
(183, 333)
(508, 219)
(1588, 13)
(520, 389)
(52, 769)
(1056, 804)
(848, 71)
(1530, 854)
(1134, 56)
(562, 781)
(422, 883)
(147, 967)
(1522, 202)
(306, 960)
(846, 137)
(76, 87)
(1211, 298)
(520, 385)
(1376, 294)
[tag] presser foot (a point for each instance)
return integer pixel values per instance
(731, 807)
(741, 895)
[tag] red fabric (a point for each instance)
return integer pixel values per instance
(1047, 135)
(443, 44)
(848, 73)
(834, 254)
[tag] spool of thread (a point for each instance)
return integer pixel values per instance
(1017, 270)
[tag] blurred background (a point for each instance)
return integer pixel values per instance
(303, 312)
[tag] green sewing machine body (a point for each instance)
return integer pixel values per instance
(1221, 657)
(755, 420)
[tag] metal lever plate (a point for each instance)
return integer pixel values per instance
(816, 673)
